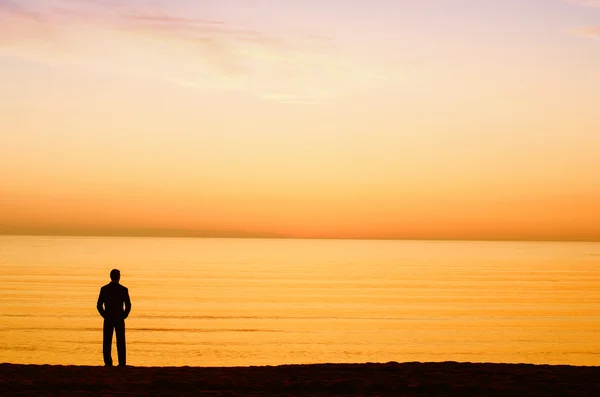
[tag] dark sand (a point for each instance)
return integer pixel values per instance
(391, 379)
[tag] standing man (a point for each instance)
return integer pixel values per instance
(114, 306)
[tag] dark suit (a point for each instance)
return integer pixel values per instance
(114, 306)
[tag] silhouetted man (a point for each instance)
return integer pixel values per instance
(114, 306)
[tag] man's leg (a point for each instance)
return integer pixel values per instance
(121, 350)
(107, 342)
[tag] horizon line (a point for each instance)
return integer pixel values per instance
(267, 237)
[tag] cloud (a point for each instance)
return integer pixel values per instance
(194, 50)
(12, 7)
(590, 32)
(587, 3)
(128, 18)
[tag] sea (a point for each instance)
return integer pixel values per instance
(245, 302)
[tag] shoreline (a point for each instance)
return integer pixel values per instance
(368, 379)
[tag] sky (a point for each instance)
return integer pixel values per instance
(433, 119)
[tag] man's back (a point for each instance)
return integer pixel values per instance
(114, 296)
(114, 306)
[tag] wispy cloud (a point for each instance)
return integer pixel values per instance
(147, 39)
(590, 32)
(12, 7)
(587, 3)
(127, 18)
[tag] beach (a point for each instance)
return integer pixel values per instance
(370, 379)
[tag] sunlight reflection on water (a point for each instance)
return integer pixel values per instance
(258, 302)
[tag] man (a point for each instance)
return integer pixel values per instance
(113, 297)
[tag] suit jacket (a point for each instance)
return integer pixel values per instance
(114, 303)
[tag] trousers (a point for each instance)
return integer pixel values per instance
(119, 329)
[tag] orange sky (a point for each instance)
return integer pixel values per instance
(377, 120)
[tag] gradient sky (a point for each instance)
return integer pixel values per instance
(464, 119)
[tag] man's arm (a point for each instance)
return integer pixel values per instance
(100, 304)
(127, 304)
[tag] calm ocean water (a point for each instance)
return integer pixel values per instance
(213, 302)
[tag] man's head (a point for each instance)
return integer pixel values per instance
(115, 275)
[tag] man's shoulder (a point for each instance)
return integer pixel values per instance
(113, 286)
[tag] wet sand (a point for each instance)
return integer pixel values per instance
(391, 379)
